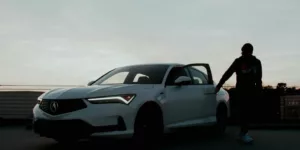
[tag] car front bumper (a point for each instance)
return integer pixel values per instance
(72, 128)
(95, 119)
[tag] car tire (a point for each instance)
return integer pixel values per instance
(148, 128)
(222, 119)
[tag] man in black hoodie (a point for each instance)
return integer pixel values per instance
(248, 71)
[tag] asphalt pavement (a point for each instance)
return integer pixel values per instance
(18, 138)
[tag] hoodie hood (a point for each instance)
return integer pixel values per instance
(251, 57)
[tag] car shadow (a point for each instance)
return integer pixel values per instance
(181, 138)
(89, 144)
(191, 136)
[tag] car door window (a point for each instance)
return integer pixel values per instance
(175, 73)
(198, 76)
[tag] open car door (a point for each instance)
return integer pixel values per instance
(202, 81)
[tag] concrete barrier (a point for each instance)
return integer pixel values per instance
(17, 104)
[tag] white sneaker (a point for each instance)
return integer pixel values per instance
(246, 138)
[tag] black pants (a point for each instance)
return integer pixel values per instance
(246, 98)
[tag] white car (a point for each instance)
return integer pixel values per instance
(142, 101)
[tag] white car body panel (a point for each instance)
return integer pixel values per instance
(182, 102)
(181, 106)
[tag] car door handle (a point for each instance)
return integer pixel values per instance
(209, 91)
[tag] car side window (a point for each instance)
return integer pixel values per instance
(198, 77)
(175, 73)
(141, 79)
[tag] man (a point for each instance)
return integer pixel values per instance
(248, 71)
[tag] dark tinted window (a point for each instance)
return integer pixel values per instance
(198, 76)
(140, 74)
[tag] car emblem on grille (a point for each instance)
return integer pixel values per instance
(53, 106)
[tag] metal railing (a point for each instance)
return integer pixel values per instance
(290, 107)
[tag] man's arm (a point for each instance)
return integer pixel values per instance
(227, 74)
(259, 75)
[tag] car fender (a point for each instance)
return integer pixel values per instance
(146, 96)
(223, 97)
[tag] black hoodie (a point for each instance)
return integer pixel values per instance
(248, 71)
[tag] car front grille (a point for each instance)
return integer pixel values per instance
(56, 107)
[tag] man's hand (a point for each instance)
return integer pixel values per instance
(217, 89)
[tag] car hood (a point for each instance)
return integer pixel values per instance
(94, 91)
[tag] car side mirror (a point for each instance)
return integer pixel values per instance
(90, 83)
(182, 80)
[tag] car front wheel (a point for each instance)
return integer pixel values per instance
(148, 128)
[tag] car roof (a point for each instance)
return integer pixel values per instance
(150, 64)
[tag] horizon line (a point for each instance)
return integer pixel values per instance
(49, 85)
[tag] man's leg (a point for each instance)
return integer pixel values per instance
(243, 121)
(245, 112)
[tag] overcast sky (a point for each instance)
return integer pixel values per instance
(72, 42)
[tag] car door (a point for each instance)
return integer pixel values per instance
(181, 101)
(202, 82)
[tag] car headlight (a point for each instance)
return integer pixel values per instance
(40, 98)
(125, 99)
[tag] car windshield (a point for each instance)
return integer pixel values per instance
(138, 74)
